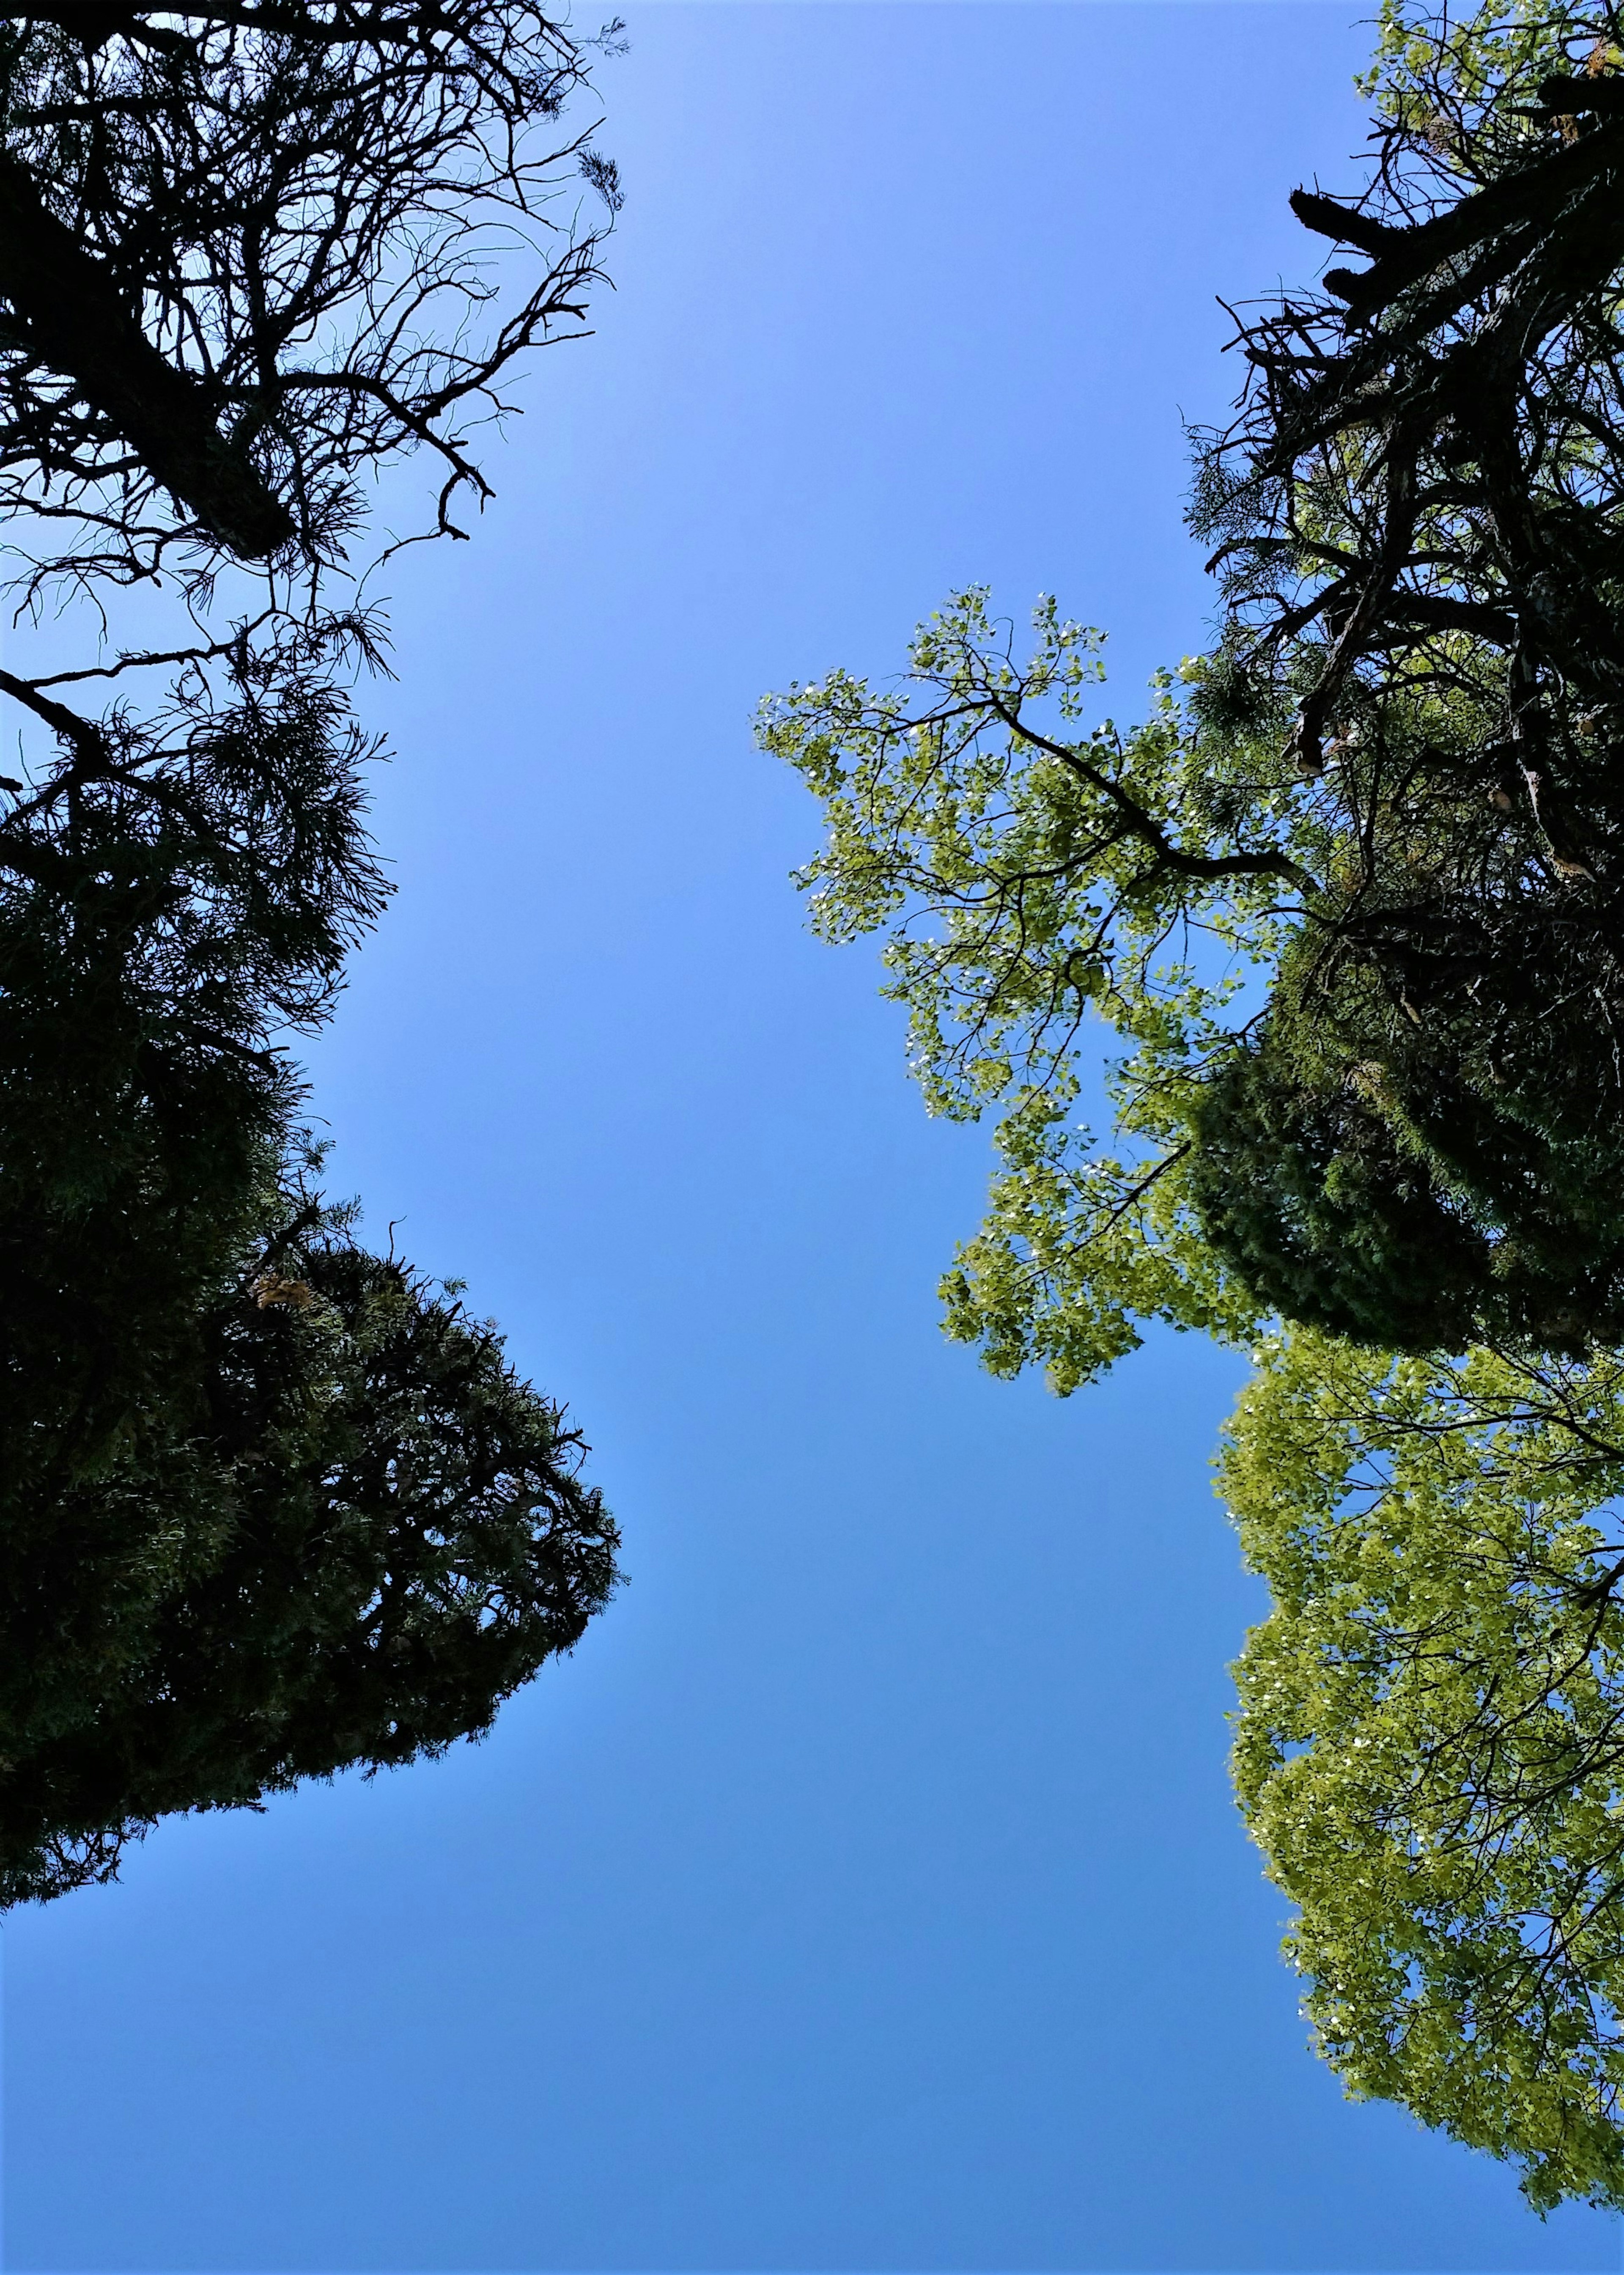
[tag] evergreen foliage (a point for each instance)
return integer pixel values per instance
(270, 1505)
(336, 1535)
(169, 900)
(1414, 1189)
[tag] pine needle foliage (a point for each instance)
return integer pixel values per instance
(271, 1507)
(338, 1535)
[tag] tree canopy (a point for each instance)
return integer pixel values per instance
(168, 901)
(1346, 907)
(270, 1505)
(1027, 874)
(1350, 896)
(1428, 1745)
(338, 1534)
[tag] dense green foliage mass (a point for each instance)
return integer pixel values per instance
(270, 1505)
(1415, 1187)
(1429, 1748)
(1350, 898)
(338, 1534)
(1349, 908)
(167, 902)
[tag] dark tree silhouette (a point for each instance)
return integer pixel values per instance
(250, 255)
(270, 1505)
(370, 1534)
(1421, 515)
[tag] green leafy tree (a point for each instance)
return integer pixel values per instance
(1350, 896)
(1028, 872)
(1347, 908)
(1430, 1743)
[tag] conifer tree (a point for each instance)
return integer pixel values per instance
(270, 1505)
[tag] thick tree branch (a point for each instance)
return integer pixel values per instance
(1144, 826)
(76, 320)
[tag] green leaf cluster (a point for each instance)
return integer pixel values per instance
(1332, 946)
(1030, 879)
(1428, 1745)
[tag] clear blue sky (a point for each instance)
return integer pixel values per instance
(866, 1893)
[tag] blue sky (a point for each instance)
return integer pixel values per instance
(866, 1893)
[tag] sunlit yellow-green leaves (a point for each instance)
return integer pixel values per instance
(1432, 1732)
(1028, 870)
(1434, 73)
(1430, 1747)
